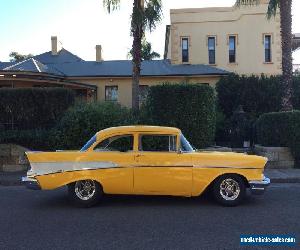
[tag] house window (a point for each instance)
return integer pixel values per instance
(144, 89)
(268, 55)
(185, 49)
(232, 49)
(211, 50)
(111, 93)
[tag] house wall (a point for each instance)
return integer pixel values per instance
(124, 84)
(249, 23)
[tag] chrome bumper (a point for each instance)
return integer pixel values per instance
(31, 183)
(259, 187)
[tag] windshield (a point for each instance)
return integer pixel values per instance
(89, 143)
(185, 146)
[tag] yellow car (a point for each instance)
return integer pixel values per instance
(145, 160)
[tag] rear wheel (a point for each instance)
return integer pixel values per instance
(85, 193)
(229, 190)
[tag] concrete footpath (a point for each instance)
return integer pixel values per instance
(276, 176)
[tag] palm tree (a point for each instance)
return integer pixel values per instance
(145, 15)
(285, 7)
(146, 53)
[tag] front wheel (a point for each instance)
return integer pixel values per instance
(85, 193)
(229, 190)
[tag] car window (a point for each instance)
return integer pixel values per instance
(157, 143)
(123, 143)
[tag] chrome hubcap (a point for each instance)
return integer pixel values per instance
(229, 189)
(85, 189)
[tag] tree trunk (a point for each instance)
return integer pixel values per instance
(286, 43)
(137, 30)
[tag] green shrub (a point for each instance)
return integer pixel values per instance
(82, 121)
(190, 107)
(257, 95)
(280, 129)
(33, 108)
(31, 139)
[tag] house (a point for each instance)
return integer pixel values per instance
(99, 79)
(237, 39)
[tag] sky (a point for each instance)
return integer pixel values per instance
(26, 26)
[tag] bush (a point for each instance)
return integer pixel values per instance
(190, 107)
(280, 129)
(33, 108)
(31, 139)
(257, 95)
(82, 121)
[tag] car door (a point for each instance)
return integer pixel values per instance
(160, 168)
(116, 161)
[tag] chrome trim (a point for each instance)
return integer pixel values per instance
(226, 167)
(259, 187)
(31, 183)
(229, 189)
(85, 189)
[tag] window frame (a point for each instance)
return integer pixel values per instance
(111, 86)
(269, 49)
(140, 135)
(96, 143)
(235, 48)
(185, 38)
(214, 50)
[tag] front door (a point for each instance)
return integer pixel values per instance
(160, 169)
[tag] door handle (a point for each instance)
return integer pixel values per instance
(139, 156)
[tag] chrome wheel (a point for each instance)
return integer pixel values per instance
(85, 190)
(229, 189)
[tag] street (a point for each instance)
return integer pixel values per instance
(46, 220)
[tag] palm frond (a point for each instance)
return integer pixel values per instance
(111, 5)
(272, 8)
(153, 13)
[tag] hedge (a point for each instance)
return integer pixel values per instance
(257, 95)
(31, 139)
(83, 120)
(33, 108)
(190, 107)
(280, 129)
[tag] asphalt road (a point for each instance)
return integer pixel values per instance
(45, 220)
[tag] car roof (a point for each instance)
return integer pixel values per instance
(138, 128)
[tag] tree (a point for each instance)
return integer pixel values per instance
(145, 15)
(285, 7)
(16, 57)
(146, 53)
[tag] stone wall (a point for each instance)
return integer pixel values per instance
(278, 157)
(12, 158)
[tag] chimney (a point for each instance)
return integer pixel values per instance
(99, 53)
(54, 45)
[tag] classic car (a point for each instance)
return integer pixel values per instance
(145, 160)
